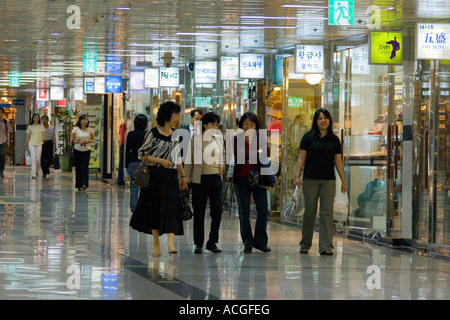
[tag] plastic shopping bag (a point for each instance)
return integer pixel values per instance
(340, 211)
(27, 158)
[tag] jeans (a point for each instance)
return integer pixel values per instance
(243, 192)
(209, 187)
(312, 191)
(134, 190)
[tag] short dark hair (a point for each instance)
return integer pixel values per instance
(193, 112)
(165, 112)
(44, 116)
(252, 117)
(210, 117)
(35, 114)
(140, 122)
(81, 117)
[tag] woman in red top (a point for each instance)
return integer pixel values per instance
(248, 147)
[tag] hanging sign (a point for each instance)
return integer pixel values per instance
(137, 80)
(341, 12)
(90, 57)
(56, 93)
(229, 68)
(99, 85)
(308, 59)
(432, 41)
(14, 79)
(169, 77)
(113, 65)
(360, 60)
(89, 85)
(42, 95)
(386, 47)
(251, 66)
(113, 84)
(151, 78)
(205, 71)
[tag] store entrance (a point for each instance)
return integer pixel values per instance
(370, 123)
(431, 179)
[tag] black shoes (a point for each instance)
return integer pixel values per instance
(210, 247)
(264, 249)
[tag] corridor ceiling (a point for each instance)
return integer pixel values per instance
(42, 39)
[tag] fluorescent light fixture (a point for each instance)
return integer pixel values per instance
(208, 34)
(283, 18)
(123, 8)
(300, 6)
(246, 27)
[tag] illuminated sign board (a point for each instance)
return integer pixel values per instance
(386, 47)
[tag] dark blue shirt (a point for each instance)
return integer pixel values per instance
(320, 156)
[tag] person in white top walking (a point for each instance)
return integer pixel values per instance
(33, 144)
(82, 137)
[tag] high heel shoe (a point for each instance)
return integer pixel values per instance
(173, 251)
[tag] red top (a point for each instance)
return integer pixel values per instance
(244, 169)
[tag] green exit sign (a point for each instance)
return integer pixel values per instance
(341, 12)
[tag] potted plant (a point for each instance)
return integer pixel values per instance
(66, 118)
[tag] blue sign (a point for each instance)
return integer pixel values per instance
(113, 65)
(18, 102)
(113, 84)
(5, 106)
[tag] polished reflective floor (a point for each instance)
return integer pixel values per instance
(58, 243)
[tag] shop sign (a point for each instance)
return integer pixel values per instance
(113, 84)
(56, 93)
(432, 41)
(18, 102)
(169, 77)
(386, 47)
(203, 102)
(89, 85)
(251, 66)
(360, 60)
(341, 12)
(5, 105)
(99, 85)
(308, 59)
(151, 78)
(42, 95)
(137, 80)
(78, 94)
(206, 72)
(113, 65)
(229, 68)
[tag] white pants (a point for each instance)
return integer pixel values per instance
(35, 152)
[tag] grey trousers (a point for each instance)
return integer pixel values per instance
(312, 191)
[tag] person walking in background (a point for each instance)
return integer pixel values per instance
(206, 180)
(135, 139)
(320, 153)
(5, 136)
(81, 138)
(196, 115)
(244, 143)
(48, 147)
(33, 143)
(158, 209)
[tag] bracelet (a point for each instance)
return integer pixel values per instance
(182, 176)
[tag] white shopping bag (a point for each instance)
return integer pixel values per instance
(340, 211)
(27, 158)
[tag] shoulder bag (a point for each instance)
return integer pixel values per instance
(141, 175)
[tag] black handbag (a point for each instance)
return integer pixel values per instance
(258, 180)
(72, 158)
(185, 210)
(56, 164)
(141, 175)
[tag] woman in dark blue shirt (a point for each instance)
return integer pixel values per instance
(320, 152)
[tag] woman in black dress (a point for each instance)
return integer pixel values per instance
(157, 210)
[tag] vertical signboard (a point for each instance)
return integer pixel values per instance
(14, 79)
(251, 66)
(151, 78)
(308, 59)
(169, 77)
(90, 57)
(206, 72)
(386, 47)
(113, 84)
(341, 12)
(229, 68)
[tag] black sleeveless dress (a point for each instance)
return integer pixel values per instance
(158, 206)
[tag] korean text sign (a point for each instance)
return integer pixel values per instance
(308, 59)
